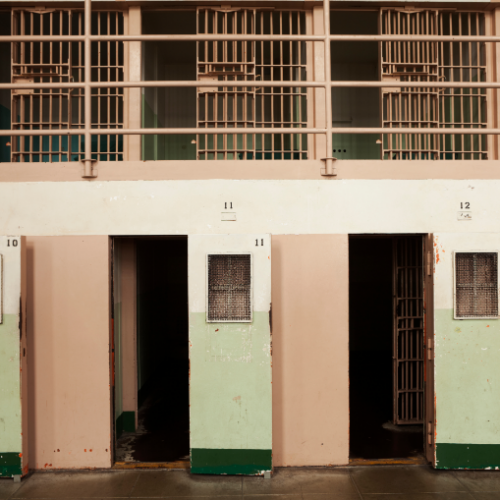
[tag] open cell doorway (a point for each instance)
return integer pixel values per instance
(386, 347)
(150, 355)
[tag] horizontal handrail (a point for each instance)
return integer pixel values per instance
(258, 131)
(251, 38)
(252, 83)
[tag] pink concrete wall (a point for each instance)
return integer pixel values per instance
(68, 337)
(310, 350)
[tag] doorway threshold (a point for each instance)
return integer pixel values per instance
(179, 464)
(420, 460)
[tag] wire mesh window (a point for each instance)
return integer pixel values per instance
(229, 288)
(476, 285)
(259, 107)
(63, 62)
(433, 107)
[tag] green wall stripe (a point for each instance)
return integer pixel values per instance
(467, 456)
(10, 464)
(249, 462)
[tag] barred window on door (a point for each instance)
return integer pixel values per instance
(476, 285)
(229, 297)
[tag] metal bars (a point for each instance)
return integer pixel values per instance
(416, 107)
(476, 285)
(229, 283)
(433, 107)
(107, 103)
(408, 331)
(459, 33)
(256, 106)
(43, 62)
(63, 109)
(466, 107)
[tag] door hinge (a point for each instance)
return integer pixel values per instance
(429, 263)
(429, 349)
(271, 318)
(429, 432)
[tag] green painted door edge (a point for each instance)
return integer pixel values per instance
(119, 426)
(125, 423)
(467, 456)
(247, 462)
(10, 464)
(128, 419)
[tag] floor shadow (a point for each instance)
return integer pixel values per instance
(163, 431)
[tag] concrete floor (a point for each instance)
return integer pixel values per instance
(360, 483)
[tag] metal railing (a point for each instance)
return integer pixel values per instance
(325, 84)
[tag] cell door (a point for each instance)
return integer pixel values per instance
(49, 61)
(223, 62)
(410, 62)
(429, 415)
(230, 353)
(13, 373)
(408, 331)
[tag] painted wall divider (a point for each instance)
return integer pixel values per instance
(230, 362)
(13, 373)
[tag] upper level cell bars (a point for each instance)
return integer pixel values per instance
(107, 61)
(463, 107)
(256, 106)
(409, 106)
(63, 62)
(433, 107)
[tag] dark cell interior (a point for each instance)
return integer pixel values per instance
(5, 106)
(355, 107)
(372, 432)
(171, 106)
(162, 354)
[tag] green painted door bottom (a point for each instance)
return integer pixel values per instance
(467, 456)
(125, 423)
(248, 462)
(10, 464)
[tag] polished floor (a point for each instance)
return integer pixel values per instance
(354, 483)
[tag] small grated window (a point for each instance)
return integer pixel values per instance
(476, 278)
(229, 288)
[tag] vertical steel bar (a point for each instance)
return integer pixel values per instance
(88, 106)
(329, 170)
(395, 333)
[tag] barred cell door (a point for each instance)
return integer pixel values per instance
(428, 302)
(230, 354)
(410, 62)
(408, 337)
(49, 61)
(227, 107)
